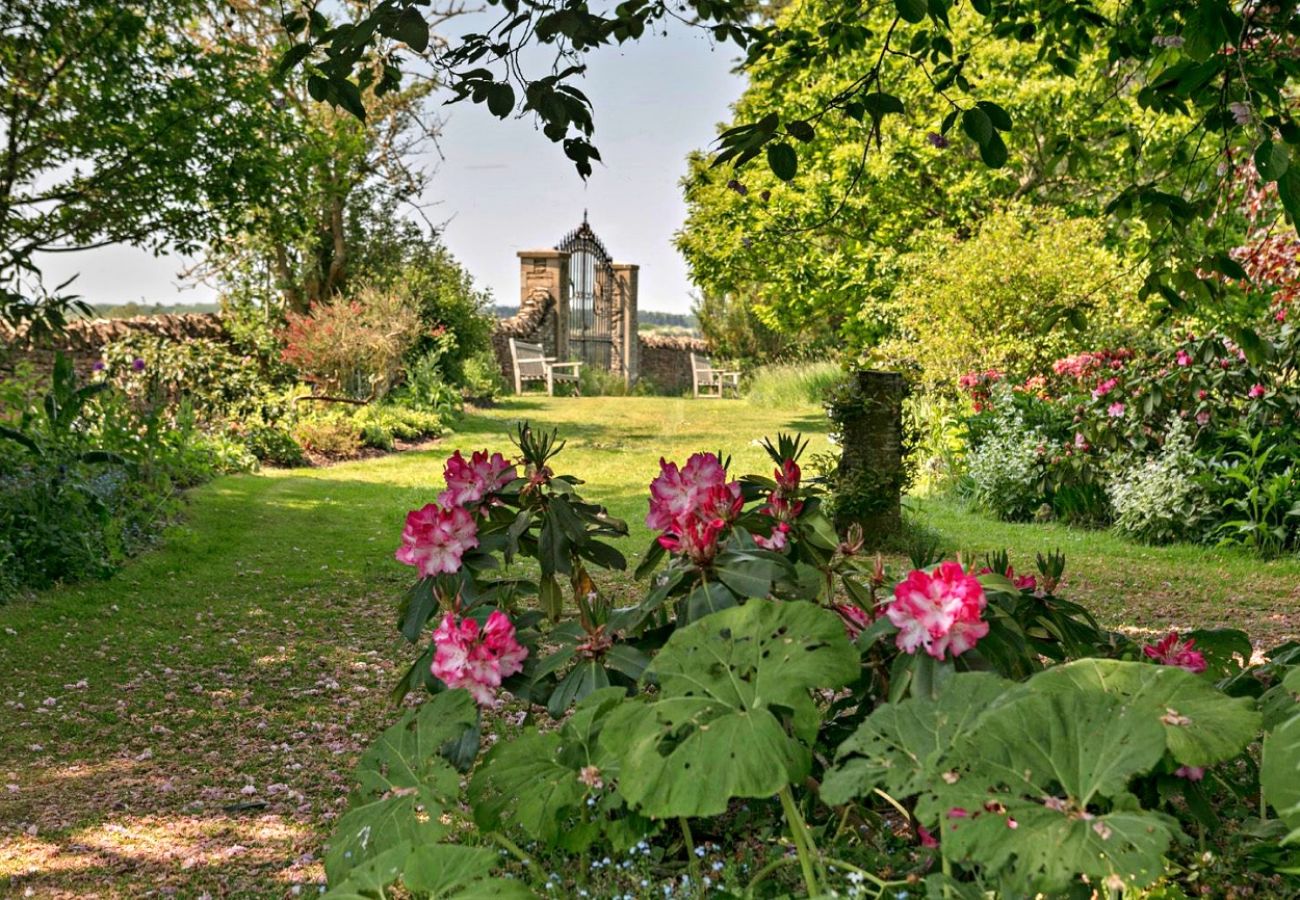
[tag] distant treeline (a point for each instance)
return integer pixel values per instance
(128, 310)
(645, 318)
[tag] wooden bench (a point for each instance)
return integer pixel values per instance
(532, 364)
(714, 382)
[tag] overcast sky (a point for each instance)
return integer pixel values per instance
(502, 187)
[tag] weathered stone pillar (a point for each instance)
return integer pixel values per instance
(548, 270)
(629, 277)
(871, 476)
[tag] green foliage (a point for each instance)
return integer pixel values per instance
(1157, 500)
(542, 781)
(736, 332)
(125, 124)
(1005, 470)
(715, 730)
(1027, 289)
(392, 822)
(1032, 783)
(1279, 775)
(332, 434)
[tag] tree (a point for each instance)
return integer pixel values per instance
(855, 220)
(1226, 68)
(122, 123)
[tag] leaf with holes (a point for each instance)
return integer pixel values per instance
(403, 783)
(1202, 726)
(442, 871)
(734, 717)
(899, 747)
(1057, 765)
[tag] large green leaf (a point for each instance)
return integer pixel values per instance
(900, 745)
(1057, 765)
(734, 718)
(534, 781)
(403, 783)
(440, 871)
(1279, 775)
(1202, 726)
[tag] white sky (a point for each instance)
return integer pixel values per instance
(503, 187)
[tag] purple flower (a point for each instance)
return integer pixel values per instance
(137, 365)
(98, 366)
(937, 140)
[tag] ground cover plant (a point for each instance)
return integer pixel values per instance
(262, 631)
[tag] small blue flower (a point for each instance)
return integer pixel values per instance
(717, 866)
(699, 851)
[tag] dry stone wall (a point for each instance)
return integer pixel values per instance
(84, 339)
(666, 361)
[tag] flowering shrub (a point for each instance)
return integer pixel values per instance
(789, 684)
(352, 347)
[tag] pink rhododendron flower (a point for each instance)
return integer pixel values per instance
(676, 494)
(435, 538)
(694, 538)
(1184, 358)
(939, 611)
(477, 660)
(1080, 441)
(1115, 410)
(1203, 417)
(1104, 388)
(1257, 390)
(693, 505)
(1202, 394)
(780, 503)
(1169, 652)
(471, 482)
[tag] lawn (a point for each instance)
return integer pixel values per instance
(189, 727)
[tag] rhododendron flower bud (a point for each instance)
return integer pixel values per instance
(1257, 390)
(938, 611)
(1184, 358)
(777, 541)
(855, 619)
(476, 480)
(477, 660)
(435, 539)
(1169, 652)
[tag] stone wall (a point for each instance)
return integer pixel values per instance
(666, 361)
(83, 339)
(535, 321)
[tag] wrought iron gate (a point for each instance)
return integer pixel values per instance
(591, 297)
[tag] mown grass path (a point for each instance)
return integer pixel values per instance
(188, 728)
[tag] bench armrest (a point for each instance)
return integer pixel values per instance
(565, 365)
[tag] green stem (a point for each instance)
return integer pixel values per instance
(767, 870)
(692, 862)
(514, 850)
(870, 876)
(802, 841)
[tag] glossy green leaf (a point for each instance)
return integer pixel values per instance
(783, 161)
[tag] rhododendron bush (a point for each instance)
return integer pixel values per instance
(1194, 439)
(951, 726)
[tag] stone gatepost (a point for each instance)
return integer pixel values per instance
(629, 344)
(548, 270)
(869, 484)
